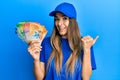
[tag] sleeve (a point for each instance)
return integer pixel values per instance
(93, 63)
(42, 52)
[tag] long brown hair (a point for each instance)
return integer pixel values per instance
(74, 40)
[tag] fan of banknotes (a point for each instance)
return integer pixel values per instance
(29, 31)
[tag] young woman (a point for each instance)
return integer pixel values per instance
(65, 55)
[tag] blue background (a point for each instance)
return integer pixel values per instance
(95, 17)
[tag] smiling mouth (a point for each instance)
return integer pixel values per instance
(62, 29)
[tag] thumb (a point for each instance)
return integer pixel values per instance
(95, 39)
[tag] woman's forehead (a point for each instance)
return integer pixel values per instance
(58, 14)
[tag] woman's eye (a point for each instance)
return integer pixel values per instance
(65, 18)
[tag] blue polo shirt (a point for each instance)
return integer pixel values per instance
(51, 74)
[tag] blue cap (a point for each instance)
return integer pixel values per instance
(65, 8)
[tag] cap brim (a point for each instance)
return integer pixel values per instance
(53, 13)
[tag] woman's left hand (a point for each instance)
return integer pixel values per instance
(88, 41)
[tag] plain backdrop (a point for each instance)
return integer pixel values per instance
(95, 17)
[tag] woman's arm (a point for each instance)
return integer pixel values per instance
(39, 70)
(39, 67)
(86, 64)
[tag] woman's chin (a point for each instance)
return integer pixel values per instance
(63, 34)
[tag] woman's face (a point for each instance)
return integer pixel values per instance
(62, 23)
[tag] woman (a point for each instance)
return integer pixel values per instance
(65, 55)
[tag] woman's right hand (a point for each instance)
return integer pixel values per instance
(34, 50)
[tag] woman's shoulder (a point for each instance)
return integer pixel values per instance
(46, 41)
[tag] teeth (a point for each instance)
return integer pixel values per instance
(61, 28)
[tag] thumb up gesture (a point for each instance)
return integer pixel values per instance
(88, 41)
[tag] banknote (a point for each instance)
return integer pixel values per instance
(29, 31)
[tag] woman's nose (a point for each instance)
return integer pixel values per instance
(60, 22)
